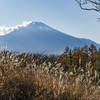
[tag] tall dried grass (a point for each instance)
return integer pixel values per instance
(23, 79)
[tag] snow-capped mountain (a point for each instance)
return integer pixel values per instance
(38, 37)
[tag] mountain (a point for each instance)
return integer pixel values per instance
(39, 37)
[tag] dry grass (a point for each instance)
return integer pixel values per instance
(26, 85)
(23, 79)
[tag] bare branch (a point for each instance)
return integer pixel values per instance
(95, 4)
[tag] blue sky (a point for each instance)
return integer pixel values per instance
(63, 15)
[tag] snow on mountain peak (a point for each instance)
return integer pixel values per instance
(5, 30)
(38, 37)
(37, 25)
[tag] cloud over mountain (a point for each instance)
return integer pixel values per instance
(39, 37)
(5, 30)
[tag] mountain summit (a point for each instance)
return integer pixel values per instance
(39, 37)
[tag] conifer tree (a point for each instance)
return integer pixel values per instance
(76, 56)
(70, 58)
(84, 55)
(93, 54)
(98, 61)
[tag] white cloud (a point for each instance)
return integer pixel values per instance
(5, 30)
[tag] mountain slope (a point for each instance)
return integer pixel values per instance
(38, 37)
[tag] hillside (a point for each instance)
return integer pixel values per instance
(38, 37)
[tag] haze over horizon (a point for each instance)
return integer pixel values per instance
(63, 15)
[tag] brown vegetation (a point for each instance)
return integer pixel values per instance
(38, 77)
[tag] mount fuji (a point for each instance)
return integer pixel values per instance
(39, 37)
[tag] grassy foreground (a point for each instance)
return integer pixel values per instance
(34, 77)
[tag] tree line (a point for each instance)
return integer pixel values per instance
(79, 57)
